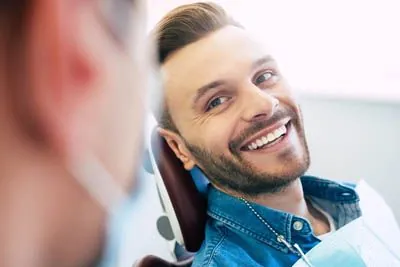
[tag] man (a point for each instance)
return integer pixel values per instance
(71, 122)
(229, 111)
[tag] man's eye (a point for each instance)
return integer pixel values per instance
(264, 77)
(216, 102)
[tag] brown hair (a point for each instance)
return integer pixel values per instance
(14, 16)
(180, 27)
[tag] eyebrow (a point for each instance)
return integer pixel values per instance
(205, 88)
(212, 85)
(261, 61)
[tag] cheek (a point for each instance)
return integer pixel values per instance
(288, 98)
(216, 136)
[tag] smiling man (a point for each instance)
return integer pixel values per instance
(229, 111)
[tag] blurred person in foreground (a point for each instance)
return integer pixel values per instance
(229, 111)
(72, 82)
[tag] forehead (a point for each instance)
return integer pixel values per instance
(223, 54)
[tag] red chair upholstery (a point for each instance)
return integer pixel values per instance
(184, 205)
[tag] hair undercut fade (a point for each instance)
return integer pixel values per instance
(180, 27)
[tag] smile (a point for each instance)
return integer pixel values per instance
(267, 138)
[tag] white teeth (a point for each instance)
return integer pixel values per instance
(254, 145)
(284, 130)
(271, 137)
(268, 138)
(280, 131)
(264, 140)
(277, 132)
(259, 142)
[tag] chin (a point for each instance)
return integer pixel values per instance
(288, 168)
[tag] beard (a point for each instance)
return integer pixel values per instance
(235, 173)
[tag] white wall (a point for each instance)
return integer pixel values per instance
(352, 140)
(337, 48)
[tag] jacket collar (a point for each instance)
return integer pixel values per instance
(234, 213)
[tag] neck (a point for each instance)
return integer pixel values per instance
(46, 218)
(291, 200)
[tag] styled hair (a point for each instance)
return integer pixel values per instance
(180, 27)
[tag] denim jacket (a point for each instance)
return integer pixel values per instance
(236, 237)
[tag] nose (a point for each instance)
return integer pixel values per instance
(258, 104)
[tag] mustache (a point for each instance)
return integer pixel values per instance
(257, 126)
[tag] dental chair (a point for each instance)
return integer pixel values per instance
(183, 203)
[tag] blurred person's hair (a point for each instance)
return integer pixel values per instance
(12, 15)
(13, 22)
(180, 27)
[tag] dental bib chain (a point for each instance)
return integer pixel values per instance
(295, 248)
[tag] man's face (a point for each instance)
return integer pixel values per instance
(235, 113)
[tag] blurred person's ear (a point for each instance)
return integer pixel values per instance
(62, 70)
(87, 90)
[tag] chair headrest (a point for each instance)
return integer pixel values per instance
(184, 204)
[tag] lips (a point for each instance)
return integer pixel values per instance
(266, 136)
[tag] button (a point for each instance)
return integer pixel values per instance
(298, 225)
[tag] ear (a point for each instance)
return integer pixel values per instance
(61, 71)
(175, 142)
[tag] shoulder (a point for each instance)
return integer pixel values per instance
(220, 248)
(214, 242)
(224, 253)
